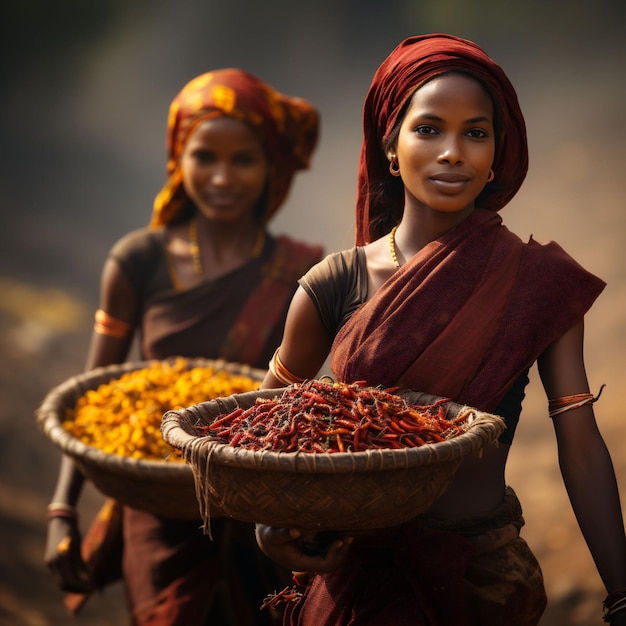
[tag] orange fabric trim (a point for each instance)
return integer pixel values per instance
(106, 324)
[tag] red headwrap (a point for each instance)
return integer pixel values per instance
(287, 127)
(412, 63)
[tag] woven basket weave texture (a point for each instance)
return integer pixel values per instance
(339, 491)
(163, 488)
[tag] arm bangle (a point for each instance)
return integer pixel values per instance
(106, 324)
(61, 506)
(73, 517)
(567, 403)
(279, 371)
(60, 509)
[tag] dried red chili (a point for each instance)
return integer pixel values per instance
(317, 416)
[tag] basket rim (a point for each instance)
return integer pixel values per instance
(51, 413)
(485, 429)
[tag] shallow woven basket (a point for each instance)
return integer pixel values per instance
(338, 491)
(163, 488)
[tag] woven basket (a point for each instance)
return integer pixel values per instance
(160, 487)
(338, 491)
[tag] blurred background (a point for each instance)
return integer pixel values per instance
(85, 88)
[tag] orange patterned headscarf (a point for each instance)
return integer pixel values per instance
(412, 63)
(287, 127)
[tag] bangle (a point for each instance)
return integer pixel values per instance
(278, 369)
(614, 603)
(106, 324)
(61, 506)
(60, 509)
(63, 515)
(557, 406)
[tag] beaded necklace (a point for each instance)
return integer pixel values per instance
(195, 246)
(392, 246)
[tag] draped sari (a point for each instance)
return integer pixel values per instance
(462, 319)
(466, 315)
(174, 574)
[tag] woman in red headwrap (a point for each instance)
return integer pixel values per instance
(439, 296)
(206, 279)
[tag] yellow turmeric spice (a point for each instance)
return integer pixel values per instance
(123, 416)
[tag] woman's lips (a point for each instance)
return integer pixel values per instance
(450, 183)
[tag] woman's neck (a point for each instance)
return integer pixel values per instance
(419, 227)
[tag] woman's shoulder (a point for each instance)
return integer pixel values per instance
(340, 265)
(554, 281)
(553, 262)
(141, 254)
(138, 242)
(337, 285)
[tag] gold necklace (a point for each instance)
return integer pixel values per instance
(194, 243)
(392, 245)
(259, 243)
(195, 247)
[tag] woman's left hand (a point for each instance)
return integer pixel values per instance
(301, 550)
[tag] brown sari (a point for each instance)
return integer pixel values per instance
(174, 574)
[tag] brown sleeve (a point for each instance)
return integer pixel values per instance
(141, 254)
(337, 285)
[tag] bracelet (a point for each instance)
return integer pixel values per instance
(61, 506)
(106, 324)
(72, 517)
(614, 603)
(60, 509)
(278, 369)
(557, 406)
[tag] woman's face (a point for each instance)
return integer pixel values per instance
(446, 144)
(224, 169)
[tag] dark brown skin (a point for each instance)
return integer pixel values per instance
(451, 142)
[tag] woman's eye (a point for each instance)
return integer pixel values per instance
(477, 133)
(203, 156)
(425, 130)
(245, 159)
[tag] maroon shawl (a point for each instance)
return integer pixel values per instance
(267, 304)
(466, 315)
(238, 317)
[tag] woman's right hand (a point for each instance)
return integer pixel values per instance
(289, 547)
(63, 556)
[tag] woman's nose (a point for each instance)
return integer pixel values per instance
(220, 173)
(451, 151)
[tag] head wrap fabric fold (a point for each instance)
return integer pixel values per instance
(412, 63)
(287, 127)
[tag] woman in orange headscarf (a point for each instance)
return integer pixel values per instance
(205, 279)
(439, 296)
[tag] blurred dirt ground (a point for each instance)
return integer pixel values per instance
(44, 353)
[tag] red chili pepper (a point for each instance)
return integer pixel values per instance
(335, 431)
(323, 417)
(224, 420)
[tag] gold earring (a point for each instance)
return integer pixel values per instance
(394, 166)
(491, 176)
